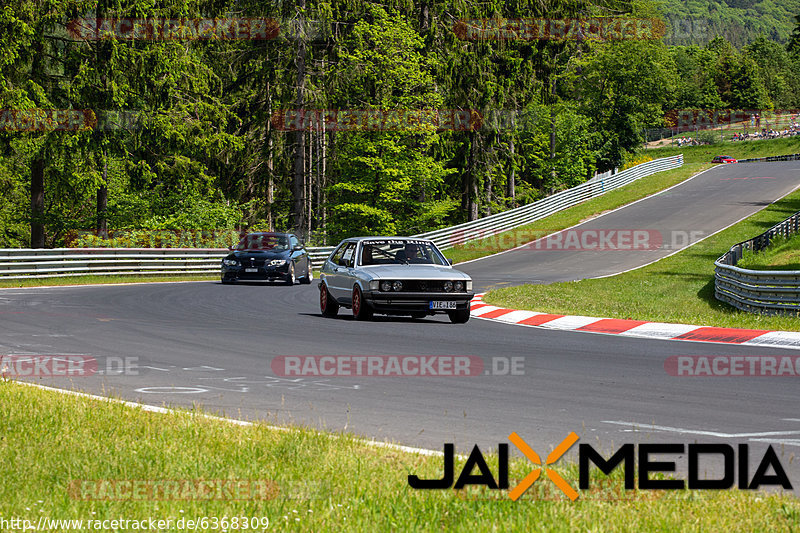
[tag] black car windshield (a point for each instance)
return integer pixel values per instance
(399, 252)
(264, 241)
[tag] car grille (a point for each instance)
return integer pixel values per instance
(247, 263)
(413, 285)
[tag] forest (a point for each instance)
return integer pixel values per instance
(124, 119)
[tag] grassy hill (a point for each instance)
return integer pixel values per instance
(739, 21)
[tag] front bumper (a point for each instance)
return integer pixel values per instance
(265, 272)
(415, 302)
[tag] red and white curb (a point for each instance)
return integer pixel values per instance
(635, 328)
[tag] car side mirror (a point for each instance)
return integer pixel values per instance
(343, 262)
(298, 248)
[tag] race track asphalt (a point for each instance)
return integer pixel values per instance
(202, 343)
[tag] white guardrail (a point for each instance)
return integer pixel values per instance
(17, 263)
(768, 292)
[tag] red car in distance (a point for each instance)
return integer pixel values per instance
(723, 159)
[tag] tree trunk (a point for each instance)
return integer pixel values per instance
(270, 179)
(270, 184)
(102, 201)
(298, 188)
(488, 191)
(553, 176)
(511, 190)
(37, 203)
(307, 184)
(472, 179)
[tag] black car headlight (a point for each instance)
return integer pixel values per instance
(230, 262)
(458, 286)
(448, 286)
(397, 285)
(277, 262)
(386, 286)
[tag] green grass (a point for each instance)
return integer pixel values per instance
(679, 288)
(98, 280)
(782, 254)
(738, 150)
(324, 482)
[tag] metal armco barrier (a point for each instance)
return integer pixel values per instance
(514, 218)
(769, 159)
(63, 262)
(768, 292)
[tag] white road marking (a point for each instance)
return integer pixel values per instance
(517, 316)
(484, 309)
(782, 442)
(570, 322)
(164, 410)
(699, 432)
(171, 390)
(659, 330)
(776, 337)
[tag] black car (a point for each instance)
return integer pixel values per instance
(268, 256)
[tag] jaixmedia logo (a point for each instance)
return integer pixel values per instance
(734, 459)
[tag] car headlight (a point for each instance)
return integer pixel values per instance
(386, 286)
(397, 285)
(469, 285)
(448, 286)
(458, 286)
(374, 285)
(230, 262)
(276, 262)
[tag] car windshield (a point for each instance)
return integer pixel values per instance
(264, 241)
(399, 252)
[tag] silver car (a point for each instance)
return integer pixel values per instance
(393, 276)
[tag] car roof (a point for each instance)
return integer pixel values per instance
(269, 233)
(384, 237)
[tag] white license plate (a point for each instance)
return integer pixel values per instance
(443, 305)
(251, 270)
